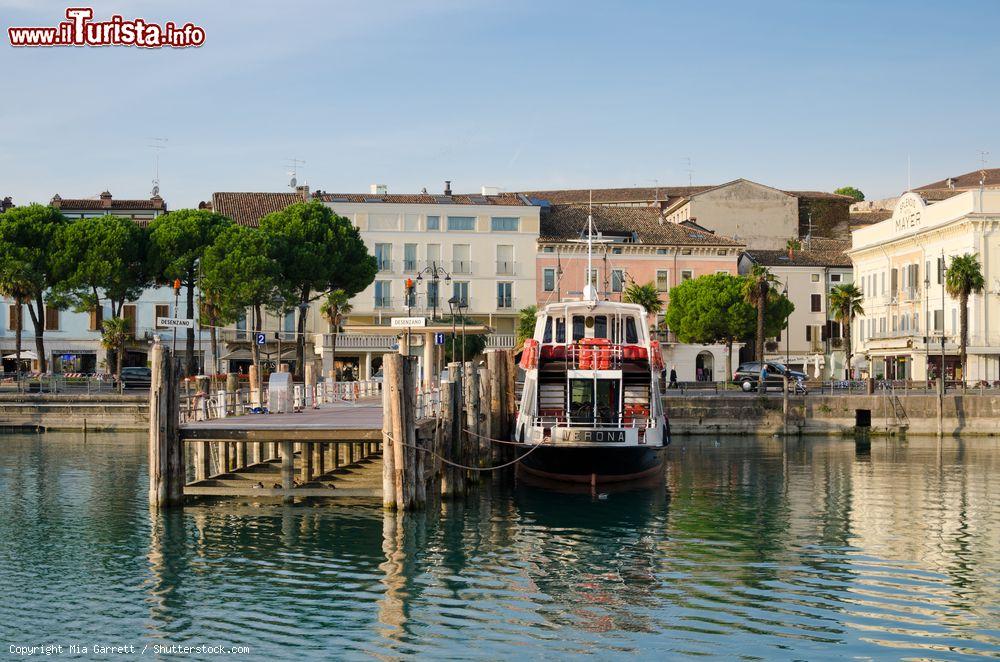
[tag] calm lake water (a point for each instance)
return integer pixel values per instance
(753, 548)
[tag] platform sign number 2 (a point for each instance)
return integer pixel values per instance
(260, 338)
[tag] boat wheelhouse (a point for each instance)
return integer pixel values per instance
(591, 402)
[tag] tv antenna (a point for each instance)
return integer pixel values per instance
(157, 145)
(688, 168)
(293, 173)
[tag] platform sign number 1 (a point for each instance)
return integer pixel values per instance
(439, 338)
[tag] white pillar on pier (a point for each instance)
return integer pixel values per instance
(368, 365)
(429, 367)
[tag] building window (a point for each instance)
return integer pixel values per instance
(816, 302)
(409, 257)
(505, 260)
(940, 270)
(549, 280)
(383, 289)
(96, 318)
(383, 256)
(662, 280)
(815, 278)
(939, 320)
(661, 251)
(505, 299)
(617, 280)
(593, 277)
(12, 317)
(686, 274)
(432, 293)
(433, 222)
(548, 249)
(722, 251)
(834, 278)
(128, 312)
(460, 291)
(461, 223)
(160, 310)
(616, 251)
(51, 318)
(460, 259)
(504, 223)
(685, 251)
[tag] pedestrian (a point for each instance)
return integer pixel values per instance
(673, 377)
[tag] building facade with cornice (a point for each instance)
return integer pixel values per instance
(911, 325)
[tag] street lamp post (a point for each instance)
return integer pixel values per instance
(435, 272)
(177, 301)
(201, 355)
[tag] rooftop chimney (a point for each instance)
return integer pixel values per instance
(303, 192)
(447, 187)
(951, 183)
(106, 199)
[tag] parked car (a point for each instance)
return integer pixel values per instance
(136, 377)
(747, 376)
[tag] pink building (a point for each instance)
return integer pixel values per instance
(637, 246)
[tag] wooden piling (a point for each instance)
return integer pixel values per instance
(399, 434)
(485, 420)
(166, 459)
(469, 453)
(287, 470)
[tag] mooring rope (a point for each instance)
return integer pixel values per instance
(462, 466)
(495, 441)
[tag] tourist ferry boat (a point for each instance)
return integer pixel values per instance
(591, 409)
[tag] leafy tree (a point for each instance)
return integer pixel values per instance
(316, 252)
(27, 238)
(850, 191)
(793, 245)
(177, 243)
(845, 303)
(964, 277)
(115, 334)
(644, 295)
(238, 273)
(713, 308)
(526, 319)
(333, 310)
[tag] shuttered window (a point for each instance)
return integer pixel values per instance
(162, 310)
(128, 312)
(51, 318)
(96, 318)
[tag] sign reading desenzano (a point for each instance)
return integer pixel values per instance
(174, 323)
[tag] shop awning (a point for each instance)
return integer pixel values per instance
(25, 356)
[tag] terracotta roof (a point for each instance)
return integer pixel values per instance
(869, 217)
(105, 201)
(968, 180)
(612, 195)
(564, 222)
(502, 199)
(821, 195)
(820, 253)
(247, 208)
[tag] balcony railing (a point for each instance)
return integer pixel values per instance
(410, 266)
(506, 268)
(505, 302)
(383, 302)
(500, 341)
(461, 267)
(384, 266)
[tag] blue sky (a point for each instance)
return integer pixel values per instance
(520, 95)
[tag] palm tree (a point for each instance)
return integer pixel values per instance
(13, 284)
(964, 277)
(525, 324)
(336, 306)
(756, 290)
(644, 295)
(845, 302)
(115, 332)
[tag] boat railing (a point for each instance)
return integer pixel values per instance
(627, 421)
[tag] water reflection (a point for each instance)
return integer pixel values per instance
(759, 547)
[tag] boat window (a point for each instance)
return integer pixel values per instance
(601, 326)
(578, 332)
(581, 400)
(560, 330)
(631, 335)
(547, 338)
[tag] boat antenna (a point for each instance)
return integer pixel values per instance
(589, 291)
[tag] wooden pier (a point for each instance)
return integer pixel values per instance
(337, 450)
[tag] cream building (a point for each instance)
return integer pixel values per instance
(480, 246)
(900, 264)
(813, 340)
